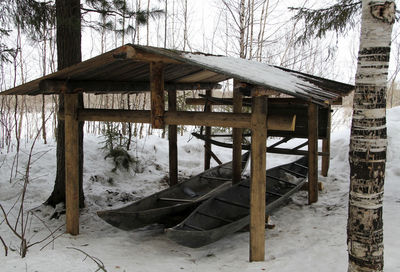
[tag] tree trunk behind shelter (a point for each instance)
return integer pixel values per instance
(368, 140)
(68, 53)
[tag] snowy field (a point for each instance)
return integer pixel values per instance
(306, 237)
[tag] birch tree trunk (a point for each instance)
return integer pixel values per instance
(368, 140)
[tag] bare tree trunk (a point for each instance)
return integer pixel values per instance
(43, 97)
(165, 23)
(69, 53)
(251, 8)
(185, 30)
(147, 25)
(368, 140)
(242, 29)
(263, 21)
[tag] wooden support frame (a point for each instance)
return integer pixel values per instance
(217, 101)
(172, 140)
(212, 154)
(71, 163)
(51, 86)
(129, 52)
(326, 147)
(270, 149)
(211, 119)
(157, 94)
(258, 178)
(237, 137)
(312, 153)
(207, 144)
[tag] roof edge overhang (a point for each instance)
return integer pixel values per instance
(146, 54)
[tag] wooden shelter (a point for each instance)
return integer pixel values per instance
(134, 68)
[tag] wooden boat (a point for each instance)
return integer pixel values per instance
(171, 205)
(229, 211)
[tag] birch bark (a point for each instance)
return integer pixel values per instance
(368, 140)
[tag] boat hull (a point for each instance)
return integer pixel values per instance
(173, 204)
(229, 211)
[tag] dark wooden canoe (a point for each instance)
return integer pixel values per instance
(229, 211)
(173, 204)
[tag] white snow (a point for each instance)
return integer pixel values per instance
(257, 72)
(306, 237)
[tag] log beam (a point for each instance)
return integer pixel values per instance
(71, 163)
(270, 149)
(312, 153)
(207, 144)
(52, 86)
(326, 147)
(157, 94)
(237, 138)
(212, 119)
(172, 139)
(128, 52)
(258, 178)
(213, 155)
(216, 101)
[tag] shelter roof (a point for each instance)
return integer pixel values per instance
(126, 70)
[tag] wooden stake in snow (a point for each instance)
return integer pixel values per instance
(368, 139)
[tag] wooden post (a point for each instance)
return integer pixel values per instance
(71, 163)
(312, 153)
(172, 137)
(326, 146)
(207, 144)
(157, 94)
(237, 137)
(258, 178)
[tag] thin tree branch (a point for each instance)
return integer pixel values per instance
(5, 246)
(99, 263)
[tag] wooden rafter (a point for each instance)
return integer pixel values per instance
(198, 76)
(129, 52)
(51, 86)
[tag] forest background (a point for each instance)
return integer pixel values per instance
(262, 30)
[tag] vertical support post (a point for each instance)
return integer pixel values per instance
(312, 153)
(237, 136)
(71, 163)
(258, 178)
(207, 144)
(157, 94)
(172, 137)
(326, 146)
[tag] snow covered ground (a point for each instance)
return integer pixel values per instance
(306, 237)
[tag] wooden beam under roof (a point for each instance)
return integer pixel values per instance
(215, 101)
(135, 53)
(53, 86)
(212, 119)
(198, 76)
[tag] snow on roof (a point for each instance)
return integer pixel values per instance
(129, 64)
(283, 80)
(255, 72)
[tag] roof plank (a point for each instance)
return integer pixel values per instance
(130, 63)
